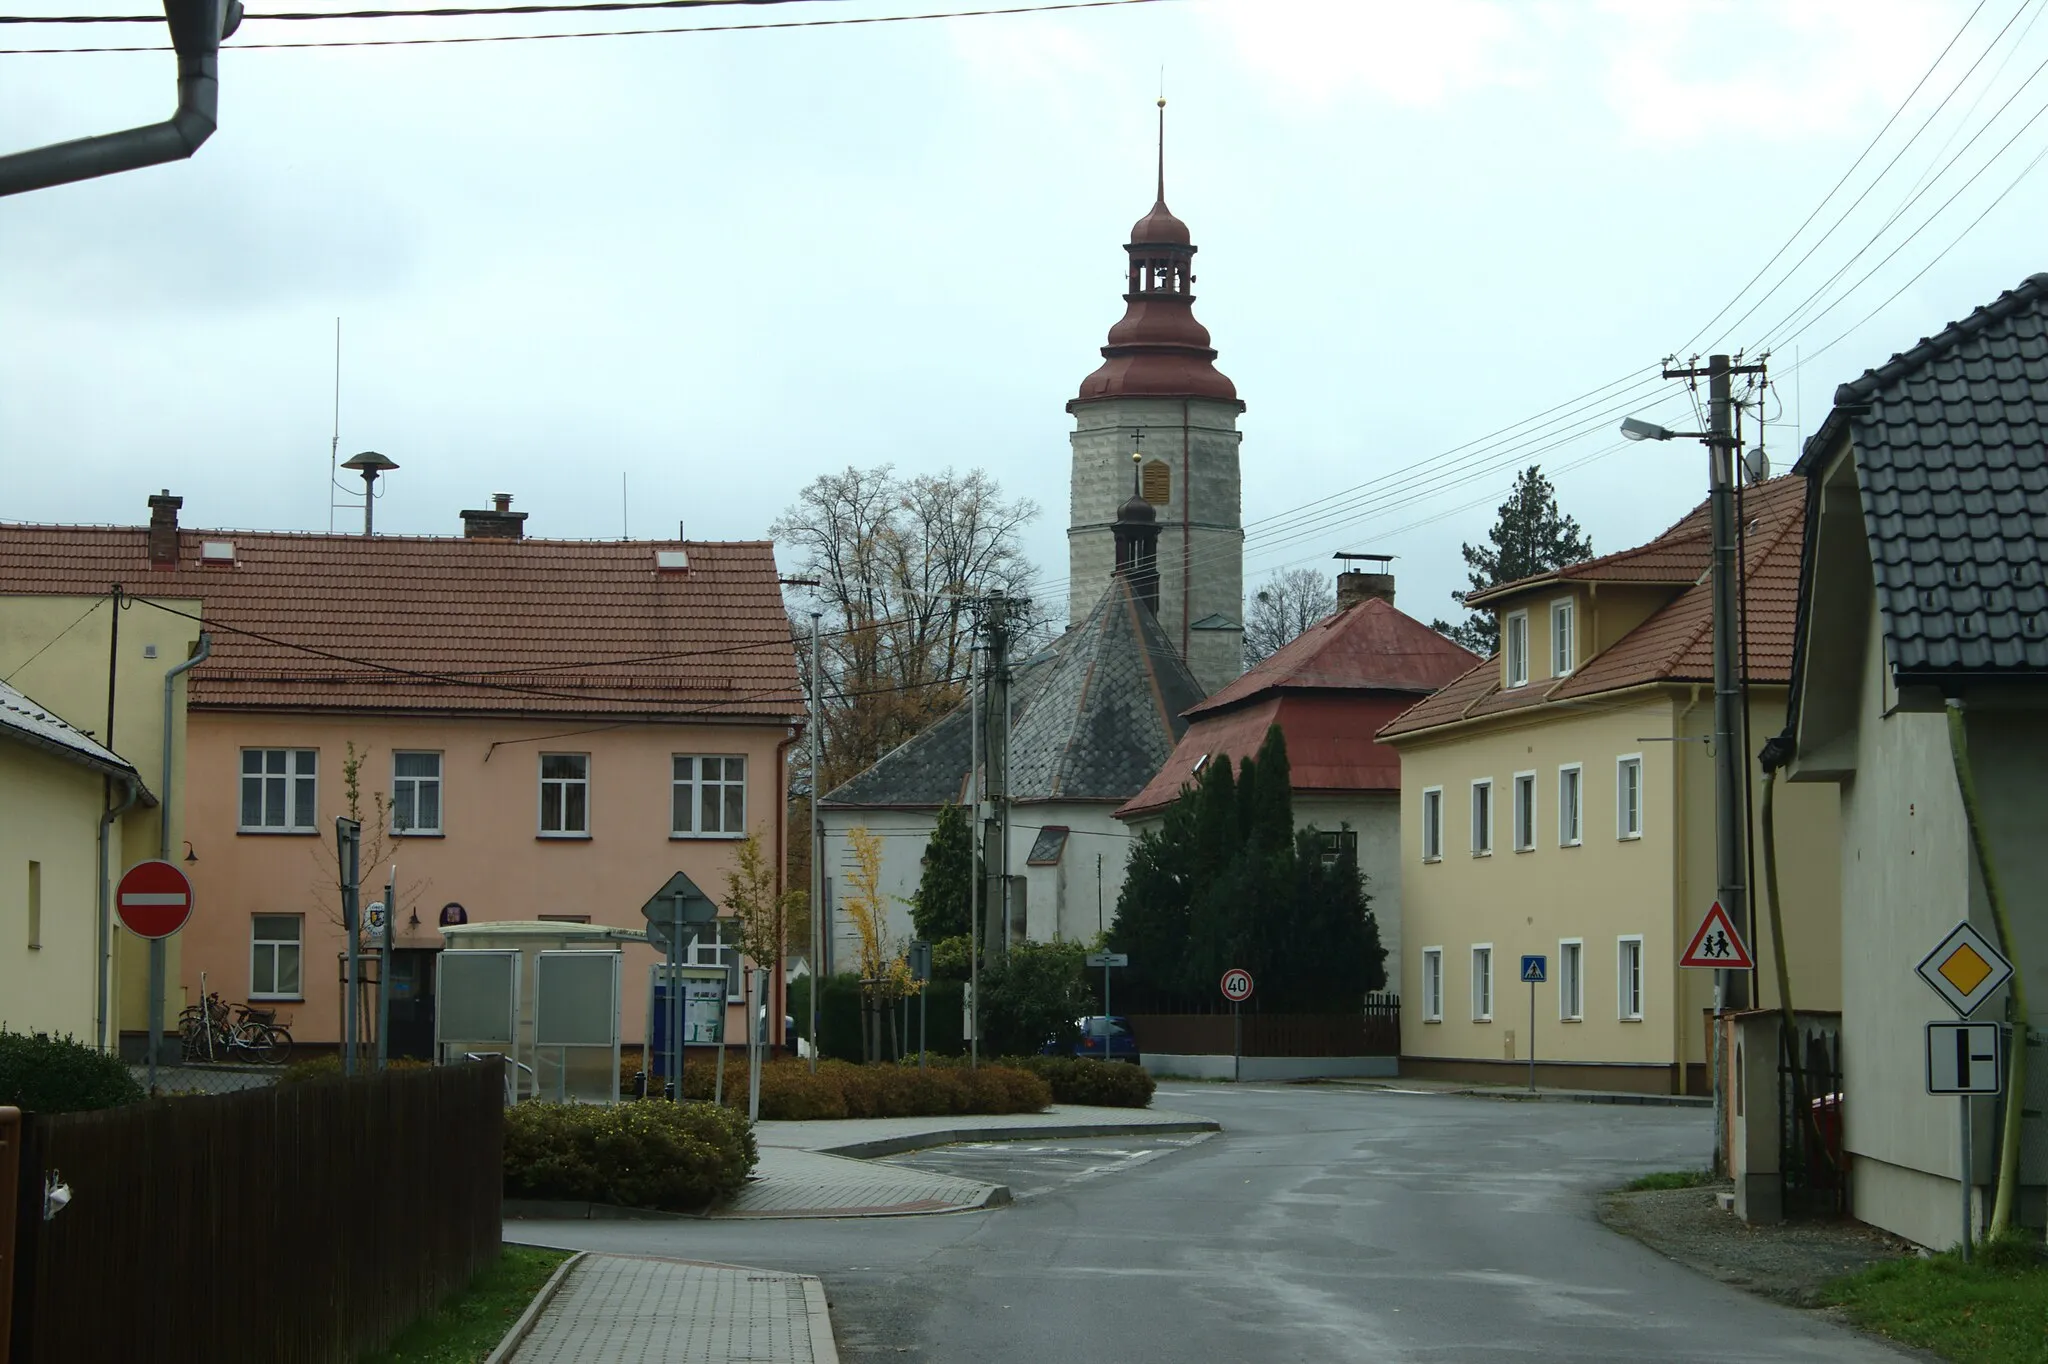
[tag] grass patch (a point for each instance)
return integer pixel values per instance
(1669, 1179)
(1992, 1311)
(468, 1326)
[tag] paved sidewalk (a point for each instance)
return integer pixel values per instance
(791, 1182)
(1523, 1093)
(627, 1309)
(891, 1136)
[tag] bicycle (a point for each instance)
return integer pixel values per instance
(206, 1033)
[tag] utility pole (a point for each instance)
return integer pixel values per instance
(997, 733)
(974, 859)
(817, 887)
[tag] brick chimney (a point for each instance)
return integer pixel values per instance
(1353, 588)
(498, 523)
(163, 530)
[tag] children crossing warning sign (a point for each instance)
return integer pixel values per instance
(1717, 945)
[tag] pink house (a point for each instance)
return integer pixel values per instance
(527, 729)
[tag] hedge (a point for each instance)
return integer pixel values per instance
(1076, 1080)
(840, 1089)
(839, 1019)
(45, 1074)
(675, 1157)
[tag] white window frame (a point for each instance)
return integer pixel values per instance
(301, 766)
(1432, 985)
(1432, 824)
(417, 830)
(717, 952)
(1571, 980)
(1564, 639)
(1514, 647)
(1482, 951)
(564, 784)
(695, 784)
(1482, 829)
(1524, 818)
(1624, 986)
(256, 946)
(1571, 806)
(1622, 767)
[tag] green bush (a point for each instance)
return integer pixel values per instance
(676, 1157)
(1075, 1080)
(45, 1074)
(841, 1089)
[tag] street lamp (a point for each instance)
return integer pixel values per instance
(1634, 428)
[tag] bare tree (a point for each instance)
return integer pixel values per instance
(893, 559)
(1289, 603)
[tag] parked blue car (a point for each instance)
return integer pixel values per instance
(1103, 1038)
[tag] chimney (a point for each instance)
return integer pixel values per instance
(163, 530)
(500, 522)
(1356, 585)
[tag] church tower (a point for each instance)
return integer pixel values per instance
(1158, 396)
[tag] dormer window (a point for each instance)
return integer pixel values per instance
(1515, 645)
(1564, 644)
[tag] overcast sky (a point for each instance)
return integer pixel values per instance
(719, 264)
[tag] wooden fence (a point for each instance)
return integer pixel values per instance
(1373, 1033)
(301, 1224)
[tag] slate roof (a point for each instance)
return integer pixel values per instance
(1676, 643)
(25, 721)
(1950, 441)
(1092, 718)
(449, 624)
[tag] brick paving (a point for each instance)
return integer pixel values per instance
(626, 1309)
(797, 1183)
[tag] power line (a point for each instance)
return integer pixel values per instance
(451, 13)
(607, 33)
(98, 602)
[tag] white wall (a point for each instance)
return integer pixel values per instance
(1376, 818)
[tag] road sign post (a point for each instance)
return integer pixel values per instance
(921, 972)
(154, 900)
(348, 842)
(1535, 970)
(1965, 1059)
(1237, 988)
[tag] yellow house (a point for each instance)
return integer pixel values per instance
(57, 833)
(1558, 801)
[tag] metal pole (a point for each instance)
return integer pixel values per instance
(156, 1007)
(384, 970)
(974, 862)
(818, 908)
(675, 998)
(923, 1003)
(1729, 835)
(1236, 1044)
(757, 1042)
(346, 833)
(1532, 1037)
(1968, 1177)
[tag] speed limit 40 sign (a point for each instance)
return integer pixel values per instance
(1237, 985)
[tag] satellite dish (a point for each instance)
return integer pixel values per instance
(1756, 465)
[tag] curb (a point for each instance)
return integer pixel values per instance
(569, 1210)
(918, 1141)
(523, 1327)
(1559, 1097)
(824, 1347)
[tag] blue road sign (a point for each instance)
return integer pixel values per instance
(1535, 970)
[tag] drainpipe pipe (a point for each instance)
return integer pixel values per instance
(199, 656)
(129, 800)
(197, 27)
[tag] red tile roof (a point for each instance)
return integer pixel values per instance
(1676, 643)
(1676, 557)
(447, 624)
(1369, 646)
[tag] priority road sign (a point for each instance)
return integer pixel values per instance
(1717, 944)
(1965, 969)
(1535, 970)
(154, 899)
(1964, 1058)
(1237, 985)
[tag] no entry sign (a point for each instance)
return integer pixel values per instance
(154, 899)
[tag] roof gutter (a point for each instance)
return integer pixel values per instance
(199, 656)
(197, 27)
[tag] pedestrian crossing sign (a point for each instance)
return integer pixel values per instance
(1534, 970)
(1717, 945)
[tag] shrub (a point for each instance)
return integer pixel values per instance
(841, 1089)
(676, 1157)
(1074, 1080)
(329, 1068)
(45, 1074)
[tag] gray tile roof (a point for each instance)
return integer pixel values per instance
(1092, 718)
(1950, 440)
(23, 719)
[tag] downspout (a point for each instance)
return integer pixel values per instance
(778, 989)
(1678, 913)
(105, 923)
(199, 656)
(197, 27)
(2016, 1000)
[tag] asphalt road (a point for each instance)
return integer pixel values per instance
(1323, 1224)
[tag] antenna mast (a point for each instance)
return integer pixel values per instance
(334, 445)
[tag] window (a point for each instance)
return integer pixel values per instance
(1433, 824)
(710, 947)
(710, 798)
(565, 795)
(1564, 646)
(277, 790)
(1571, 979)
(1432, 985)
(1628, 797)
(274, 947)
(1515, 637)
(1629, 978)
(1482, 818)
(1482, 983)
(35, 904)
(416, 793)
(1337, 846)
(1525, 811)
(1571, 786)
